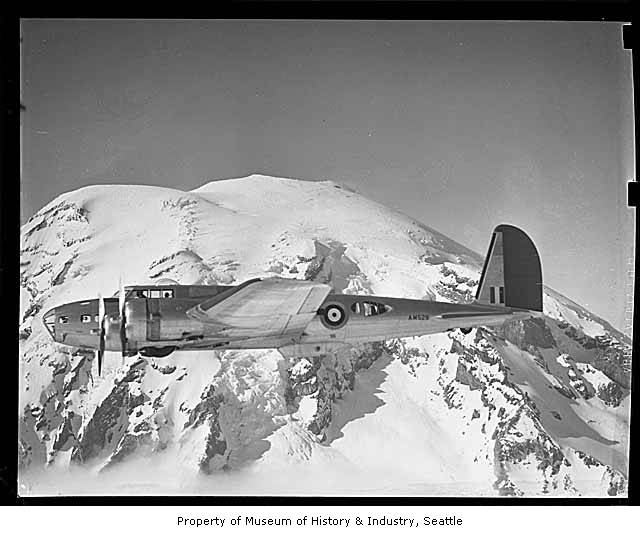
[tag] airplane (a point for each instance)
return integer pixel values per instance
(298, 317)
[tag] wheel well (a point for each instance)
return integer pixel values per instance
(154, 351)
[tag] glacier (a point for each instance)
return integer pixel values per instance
(532, 408)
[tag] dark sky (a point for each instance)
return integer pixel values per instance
(460, 125)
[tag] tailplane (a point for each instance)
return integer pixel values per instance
(511, 275)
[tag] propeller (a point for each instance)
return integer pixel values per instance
(101, 327)
(123, 320)
(105, 324)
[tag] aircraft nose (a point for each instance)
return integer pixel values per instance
(49, 321)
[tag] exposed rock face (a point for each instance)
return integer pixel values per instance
(615, 362)
(455, 287)
(611, 394)
(523, 409)
(107, 427)
(527, 334)
(63, 227)
(335, 375)
(207, 413)
(481, 366)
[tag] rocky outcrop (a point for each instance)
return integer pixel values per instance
(207, 413)
(611, 394)
(108, 424)
(327, 378)
(456, 287)
(528, 334)
(615, 362)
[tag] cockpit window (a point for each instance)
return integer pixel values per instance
(151, 293)
(368, 308)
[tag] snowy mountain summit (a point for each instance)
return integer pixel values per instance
(535, 407)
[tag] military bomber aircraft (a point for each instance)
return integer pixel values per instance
(296, 316)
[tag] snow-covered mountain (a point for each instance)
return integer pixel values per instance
(535, 407)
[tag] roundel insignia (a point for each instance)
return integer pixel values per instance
(334, 316)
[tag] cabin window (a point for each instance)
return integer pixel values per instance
(85, 318)
(369, 308)
(63, 319)
(155, 293)
(167, 293)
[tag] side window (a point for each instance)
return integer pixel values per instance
(369, 308)
(85, 318)
(63, 319)
(96, 318)
(146, 293)
(155, 293)
(167, 293)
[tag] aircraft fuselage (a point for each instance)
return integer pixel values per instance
(298, 317)
(160, 323)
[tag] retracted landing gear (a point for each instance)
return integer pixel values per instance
(152, 351)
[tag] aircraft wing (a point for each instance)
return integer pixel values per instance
(273, 307)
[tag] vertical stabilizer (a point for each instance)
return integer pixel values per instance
(511, 276)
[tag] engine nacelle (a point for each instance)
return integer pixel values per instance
(151, 323)
(136, 323)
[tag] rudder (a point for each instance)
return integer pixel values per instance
(511, 275)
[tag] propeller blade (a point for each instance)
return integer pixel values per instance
(123, 320)
(100, 354)
(101, 318)
(120, 296)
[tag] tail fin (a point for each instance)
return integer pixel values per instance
(511, 275)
